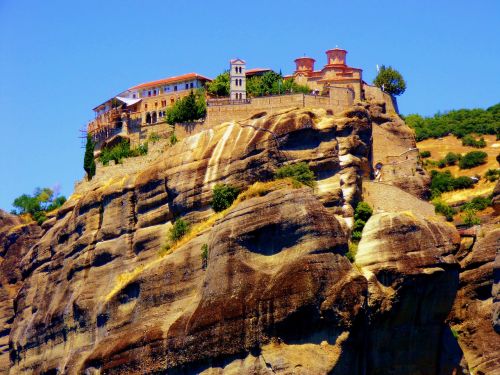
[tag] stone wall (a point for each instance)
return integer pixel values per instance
(373, 93)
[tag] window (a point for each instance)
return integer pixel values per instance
(154, 92)
(191, 85)
(149, 93)
(172, 100)
(145, 106)
(156, 104)
(187, 86)
(134, 96)
(175, 88)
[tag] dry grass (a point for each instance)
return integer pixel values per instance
(440, 147)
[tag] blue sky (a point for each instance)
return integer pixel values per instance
(58, 59)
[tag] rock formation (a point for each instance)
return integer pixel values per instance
(96, 291)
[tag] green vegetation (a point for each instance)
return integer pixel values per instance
(458, 122)
(444, 181)
(204, 255)
(390, 81)
(220, 85)
(88, 159)
(452, 158)
(189, 108)
(442, 208)
(425, 154)
(223, 196)
(492, 174)
(469, 140)
(477, 203)
(178, 230)
(472, 159)
(121, 151)
(299, 172)
(353, 249)
(454, 333)
(153, 138)
(362, 213)
(270, 83)
(173, 139)
(470, 217)
(37, 205)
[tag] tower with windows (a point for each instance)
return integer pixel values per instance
(237, 85)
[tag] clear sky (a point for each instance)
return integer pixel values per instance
(58, 59)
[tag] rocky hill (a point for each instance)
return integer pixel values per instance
(96, 291)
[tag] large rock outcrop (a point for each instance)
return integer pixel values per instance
(99, 293)
(412, 278)
(16, 238)
(475, 314)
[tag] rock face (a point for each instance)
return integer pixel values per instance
(412, 280)
(475, 314)
(97, 292)
(15, 240)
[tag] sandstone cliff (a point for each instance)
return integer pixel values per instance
(96, 291)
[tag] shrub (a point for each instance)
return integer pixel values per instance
(472, 159)
(173, 139)
(451, 158)
(492, 174)
(469, 140)
(471, 217)
(353, 249)
(443, 181)
(477, 203)
(121, 151)
(154, 137)
(363, 211)
(178, 230)
(223, 196)
(441, 163)
(299, 172)
(442, 208)
(204, 255)
(425, 154)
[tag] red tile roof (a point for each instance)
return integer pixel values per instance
(165, 81)
(257, 70)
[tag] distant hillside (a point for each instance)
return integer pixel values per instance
(458, 122)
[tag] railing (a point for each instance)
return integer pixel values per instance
(218, 102)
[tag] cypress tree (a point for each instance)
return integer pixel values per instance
(88, 160)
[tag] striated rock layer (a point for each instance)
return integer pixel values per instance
(97, 292)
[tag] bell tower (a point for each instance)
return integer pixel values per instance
(237, 80)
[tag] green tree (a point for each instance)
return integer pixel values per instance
(38, 204)
(178, 230)
(191, 107)
(223, 196)
(220, 85)
(390, 80)
(88, 159)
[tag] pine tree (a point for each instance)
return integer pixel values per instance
(88, 160)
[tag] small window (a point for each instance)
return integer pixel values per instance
(172, 100)
(187, 86)
(145, 106)
(191, 85)
(134, 96)
(149, 93)
(175, 88)
(154, 92)
(156, 104)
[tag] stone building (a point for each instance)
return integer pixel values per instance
(237, 80)
(142, 105)
(335, 73)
